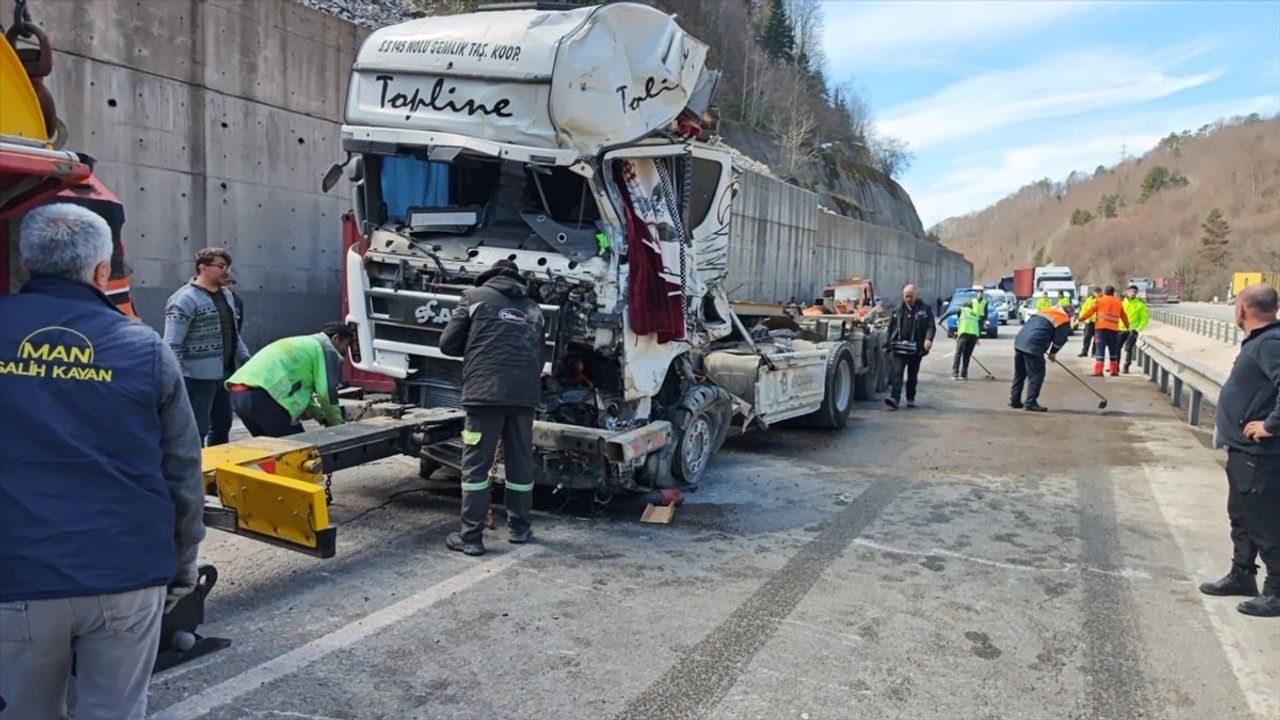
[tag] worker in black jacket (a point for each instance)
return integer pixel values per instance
(1248, 423)
(497, 329)
(1045, 332)
(910, 339)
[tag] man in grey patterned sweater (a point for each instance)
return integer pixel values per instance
(201, 325)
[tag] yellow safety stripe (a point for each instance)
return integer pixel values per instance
(520, 487)
(475, 486)
(470, 437)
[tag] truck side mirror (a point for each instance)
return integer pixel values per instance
(331, 177)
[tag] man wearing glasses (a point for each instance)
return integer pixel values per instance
(201, 324)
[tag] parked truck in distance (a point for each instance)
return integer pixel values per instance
(567, 140)
(1024, 283)
(1143, 285)
(1241, 280)
(1055, 280)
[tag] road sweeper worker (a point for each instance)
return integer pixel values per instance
(1046, 332)
(101, 499)
(497, 330)
(1042, 301)
(980, 305)
(1109, 311)
(1136, 319)
(292, 378)
(968, 327)
(1088, 303)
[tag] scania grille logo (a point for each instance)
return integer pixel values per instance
(432, 314)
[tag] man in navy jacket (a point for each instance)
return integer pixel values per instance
(100, 490)
(1046, 332)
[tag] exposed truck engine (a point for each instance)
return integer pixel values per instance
(567, 140)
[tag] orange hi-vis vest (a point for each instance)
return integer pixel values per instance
(1056, 315)
(1109, 311)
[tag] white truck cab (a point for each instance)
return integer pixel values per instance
(565, 140)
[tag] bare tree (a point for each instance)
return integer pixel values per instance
(890, 155)
(795, 139)
(806, 25)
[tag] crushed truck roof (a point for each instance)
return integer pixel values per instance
(581, 79)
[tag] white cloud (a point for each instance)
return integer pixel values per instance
(979, 180)
(1071, 84)
(924, 34)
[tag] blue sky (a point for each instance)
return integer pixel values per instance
(993, 95)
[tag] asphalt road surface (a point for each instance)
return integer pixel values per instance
(959, 560)
(1224, 312)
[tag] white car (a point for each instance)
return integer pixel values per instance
(1005, 304)
(1026, 309)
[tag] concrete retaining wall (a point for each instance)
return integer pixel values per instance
(787, 250)
(213, 121)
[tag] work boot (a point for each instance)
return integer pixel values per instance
(1261, 606)
(891, 402)
(1036, 407)
(520, 537)
(1240, 581)
(455, 543)
(1126, 368)
(1015, 404)
(1115, 368)
(1097, 368)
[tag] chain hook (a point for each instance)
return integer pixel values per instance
(22, 19)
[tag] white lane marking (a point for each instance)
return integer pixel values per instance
(1065, 568)
(227, 691)
(1191, 498)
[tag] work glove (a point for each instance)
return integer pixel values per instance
(184, 583)
(1053, 357)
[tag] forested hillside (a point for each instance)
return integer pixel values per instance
(1202, 204)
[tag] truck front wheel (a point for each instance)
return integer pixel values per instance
(699, 423)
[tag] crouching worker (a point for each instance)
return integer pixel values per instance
(497, 329)
(292, 378)
(1045, 332)
(101, 501)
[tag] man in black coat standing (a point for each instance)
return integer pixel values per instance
(910, 339)
(497, 329)
(1248, 423)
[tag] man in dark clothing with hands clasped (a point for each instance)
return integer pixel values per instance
(497, 329)
(910, 339)
(1248, 423)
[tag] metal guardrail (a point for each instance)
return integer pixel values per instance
(1179, 377)
(1216, 329)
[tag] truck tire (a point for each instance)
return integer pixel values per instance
(837, 398)
(699, 424)
(427, 467)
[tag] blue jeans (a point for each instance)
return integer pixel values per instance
(205, 395)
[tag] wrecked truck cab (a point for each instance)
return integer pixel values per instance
(549, 137)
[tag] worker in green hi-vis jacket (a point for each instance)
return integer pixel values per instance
(292, 378)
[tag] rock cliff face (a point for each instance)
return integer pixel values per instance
(843, 183)
(369, 13)
(835, 171)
